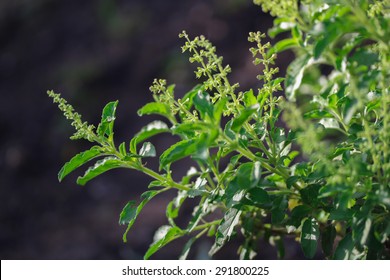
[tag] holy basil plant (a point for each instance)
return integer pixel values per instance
(306, 155)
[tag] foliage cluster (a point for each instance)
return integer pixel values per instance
(325, 179)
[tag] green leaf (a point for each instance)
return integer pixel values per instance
(340, 214)
(291, 181)
(297, 34)
(228, 130)
(77, 161)
(157, 183)
(218, 109)
(331, 32)
(203, 105)
(130, 212)
(295, 74)
(108, 117)
(190, 128)
(328, 236)
(162, 237)
(122, 149)
(361, 225)
(330, 190)
(383, 195)
(249, 98)
(173, 207)
(243, 117)
(278, 211)
(187, 99)
(100, 167)
(298, 214)
(225, 229)
(147, 150)
(280, 25)
(363, 57)
(282, 46)
(286, 160)
(278, 135)
(235, 159)
(248, 175)
(171, 90)
(202, 147)
(234, 193)
(187, 248)
(310, 194)
(329, 123)
(150, 130)
(382, 231)
(309, 237)
(344, 248)
(317, 114)
(155, 108)
(259, 197)
(199, 212)
(178, 151)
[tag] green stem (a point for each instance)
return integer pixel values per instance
(208, 177)
(340, 120)
(160, 178)
(279, 230)
(249, 155)
(184, 109)
(207, 225)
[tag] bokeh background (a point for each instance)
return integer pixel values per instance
(93, 52)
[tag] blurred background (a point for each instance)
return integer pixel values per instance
(93, 52)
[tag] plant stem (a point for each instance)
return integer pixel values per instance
(207, 225)
(249, 155)
(161, 178)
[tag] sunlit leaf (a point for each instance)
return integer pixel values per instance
(187, 99)
(344, 248)
(309, 237)
(131, 210)
(178, 151)
(203, 104)
(362, 223)
(187, 248)
(162, 237)
(295, 74)
(248, 175)
(172, 210)
(249, 98)
(147, 150)
(78, 160)
(154, 108)
(243, 117)
(259, 197)
(150, 130)
(225, 229)
(108, 117)
(100, 167)
(282, 46)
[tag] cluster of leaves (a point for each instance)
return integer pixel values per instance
(247, 178)
(338, 88)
